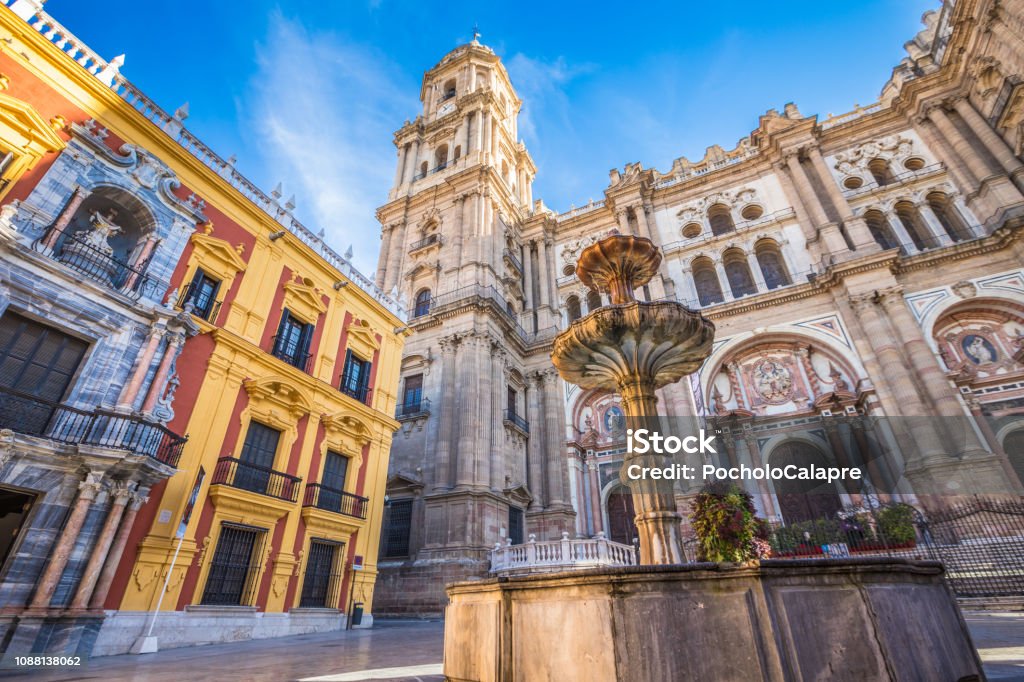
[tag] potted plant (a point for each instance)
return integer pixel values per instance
(727, 527)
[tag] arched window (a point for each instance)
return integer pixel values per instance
(879, 228)
(593, 301)
(424, 167)
(457, 153)
(572, 305)
(773, 265)
(879, 169)
(705, 278)
(720, 219)
(1013, 446)
(737, 271)
(448, 91)
(441, 156)
(948, 216)
(422, 303)
(914, 225)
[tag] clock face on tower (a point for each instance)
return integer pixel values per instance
(446, 108)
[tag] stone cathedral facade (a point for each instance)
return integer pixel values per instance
(863, 265)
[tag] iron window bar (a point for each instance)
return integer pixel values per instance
(235, 567)
(188, 297)
(515, 420)
(293, 357)
(236, 473)
(419, 408)
(334, 500)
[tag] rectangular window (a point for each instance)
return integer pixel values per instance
(235, 566)
(355, 378)
(412, 395)
(257, 458)
(516, 522)
(511, 401)
(37, 364)
(321, 586)
(202, 294)
(397, 524)
(291, 343)
(335, 471)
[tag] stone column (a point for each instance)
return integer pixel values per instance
(78, 195)
(61, 552)
(755, 271)
(112, 558)
(993, 143)
(802, 215)
(542, 270)
(593, 481)
(534, 445)
(549, 267)
(446, 407)
(496, 459)
(901, 233)
(156, 387)
(941, 147)
(469, 413)
(397, 245)
(484, 378)
(458, 236)
(412, 160)
(101, 547)
(879, 473)
(528, 275)
(828, 231)
(754, 453)
(856, 228)
(975, 164)
(934, 225)
(140, 261)
(399, 165)
(723, 278)
(382, 258)
(131, 390)
(553, 440)
(835, 439)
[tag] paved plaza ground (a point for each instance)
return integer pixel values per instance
(405, 651)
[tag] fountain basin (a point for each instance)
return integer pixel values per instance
(850, 619)
(663, 341)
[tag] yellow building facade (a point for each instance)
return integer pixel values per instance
(270, 350)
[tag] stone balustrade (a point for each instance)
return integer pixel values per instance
(559, 555)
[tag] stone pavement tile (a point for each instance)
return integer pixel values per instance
(387, 645)
(999, 638)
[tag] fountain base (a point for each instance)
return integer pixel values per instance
(854, 619)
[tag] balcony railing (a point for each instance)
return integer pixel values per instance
(362, 393)
(436, 169)
(420, 408)
(32, 416)
(514, 260)
(560, 555)
(337, 501)
(77, 254)
(515, 420)
(208, 312)
(424, 243)
(236, 473)
(294, 358)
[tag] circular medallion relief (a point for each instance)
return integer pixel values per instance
(773, 381)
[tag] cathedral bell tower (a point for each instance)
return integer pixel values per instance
(479, 458)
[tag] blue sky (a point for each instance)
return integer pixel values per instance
(309, 93)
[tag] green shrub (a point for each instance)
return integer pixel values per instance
(896, 524)
(726, 525)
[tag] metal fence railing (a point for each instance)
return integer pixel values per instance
(236, 473)
(337, 501)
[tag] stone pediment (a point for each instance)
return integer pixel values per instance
(278, 392)
(404, 483)
(26, 121)
(362, 338)
(303, 299)
(349, 426)
(519, 494)
(217, 255)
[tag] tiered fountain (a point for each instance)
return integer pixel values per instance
(854, 619)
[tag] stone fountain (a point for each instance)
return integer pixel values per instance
(632, 348)
(845, 619)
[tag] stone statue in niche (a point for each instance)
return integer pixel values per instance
(103, 228)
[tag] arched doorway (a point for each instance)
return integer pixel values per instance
(803, 500)
(621, 527)
(1013, 446)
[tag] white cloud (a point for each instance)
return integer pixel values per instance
(323, 109)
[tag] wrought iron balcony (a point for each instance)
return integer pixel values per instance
(513, 419)
(363, 393)
(235, 473)
(337, 501)
(26, 414)
(187, 300)
(294, 358)
(425, 242)
(514, 261)
(435, 169)
(78, 254)
(412, 410)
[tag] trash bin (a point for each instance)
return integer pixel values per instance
(357, 613)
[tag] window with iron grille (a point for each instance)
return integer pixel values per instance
(37, 364)
(202, 294)
(332, 483)
(321, 586)
(397, 524)
(516, 522)
(292, 341)
(231, 580)
(412, 395)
